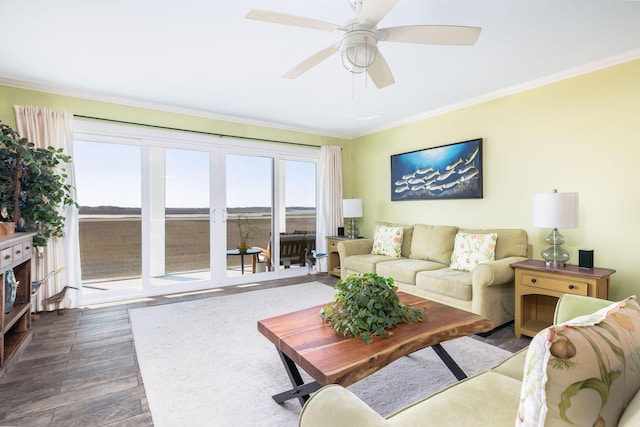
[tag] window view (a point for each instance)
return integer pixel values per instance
(158, 216)
(300, 197)
(108, 178)
(249, 212)
(249, 206)
(298, 230)
(186, 217)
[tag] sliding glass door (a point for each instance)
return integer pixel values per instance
(249, 205)
(180, 221)
(164, 213)
(109, 178)
(297, 225)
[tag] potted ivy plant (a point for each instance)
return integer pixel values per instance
(367, 305)
(33, 186)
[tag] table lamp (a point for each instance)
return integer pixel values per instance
(352, 208)
(555, 210)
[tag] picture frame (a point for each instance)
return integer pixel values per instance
(452, 171)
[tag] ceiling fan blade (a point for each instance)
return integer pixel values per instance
(380, 72)
(311, 61)
(293, 20)
(374, 10)
(431, 34)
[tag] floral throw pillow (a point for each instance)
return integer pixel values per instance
(471, 249)
(387, 241)
(583, 372)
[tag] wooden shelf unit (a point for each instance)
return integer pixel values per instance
(538, 288)
(15, 253)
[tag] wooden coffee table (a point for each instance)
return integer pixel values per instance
(303, 339)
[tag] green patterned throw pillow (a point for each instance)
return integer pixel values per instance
(387, 241)
(471, 249)
(583, 372)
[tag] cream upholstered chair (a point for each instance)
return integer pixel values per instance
(596, 379)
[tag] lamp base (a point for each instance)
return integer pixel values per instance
(555, 264)
(555, 255)
(352, 231)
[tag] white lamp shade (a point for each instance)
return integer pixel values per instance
(352, 208)
(555, 210)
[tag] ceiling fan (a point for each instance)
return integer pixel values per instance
(360, 36)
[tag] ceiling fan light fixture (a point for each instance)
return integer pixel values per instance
(359, 50)
(358, 46)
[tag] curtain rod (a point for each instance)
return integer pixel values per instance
(195, 131)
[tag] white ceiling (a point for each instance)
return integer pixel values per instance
(204, 57)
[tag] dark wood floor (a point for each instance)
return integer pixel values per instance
(81, 368)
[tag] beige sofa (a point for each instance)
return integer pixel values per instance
(493, 398)
(423, 268)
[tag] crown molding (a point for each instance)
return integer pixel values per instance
(98, 97)
(512, 90)
(552, 78)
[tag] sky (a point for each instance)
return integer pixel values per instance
(109, 175)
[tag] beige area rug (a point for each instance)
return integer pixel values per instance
(204, 363)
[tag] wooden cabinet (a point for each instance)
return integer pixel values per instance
(538, 288)
(333, 258)
(15, 254)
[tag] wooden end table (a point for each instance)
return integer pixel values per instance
(538, 288)
(333, 258)
(303, 339)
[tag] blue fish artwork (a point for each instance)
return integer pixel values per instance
(451, 171)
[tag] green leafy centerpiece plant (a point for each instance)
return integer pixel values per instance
(366, 306)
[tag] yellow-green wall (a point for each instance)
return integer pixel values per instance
(10, 96)
(580, 134)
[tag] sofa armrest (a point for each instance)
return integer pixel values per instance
(354, 247)
(631, 415)
(335, 406)
(570, 306)
(496, 272)
(512, 366)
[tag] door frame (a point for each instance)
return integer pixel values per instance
(218, 147)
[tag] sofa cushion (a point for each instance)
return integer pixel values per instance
(512, 366)
(433, 242)
(365, 263)
(511, 241)
(584, 371)
(407, 238)
(487, 399)
(472, 249)
(387, 241)
(452, 283)
(404, 270)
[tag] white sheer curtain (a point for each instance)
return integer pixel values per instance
(330, 206)
(48, 128)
